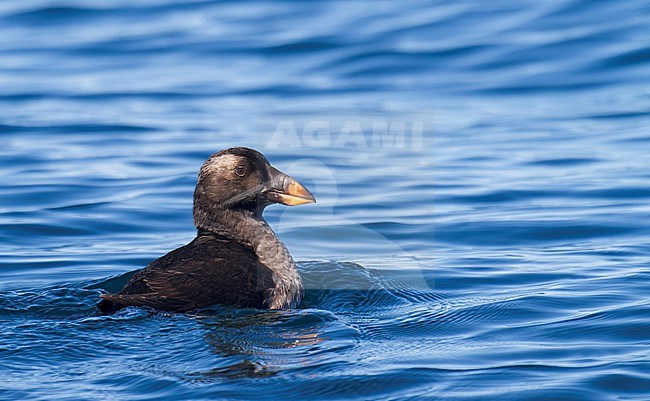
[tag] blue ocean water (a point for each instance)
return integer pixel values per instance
(482, 172)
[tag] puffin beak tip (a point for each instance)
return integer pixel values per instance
(290, 192)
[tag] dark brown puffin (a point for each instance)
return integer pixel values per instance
(236, 258)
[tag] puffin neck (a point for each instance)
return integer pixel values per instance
(241, 226)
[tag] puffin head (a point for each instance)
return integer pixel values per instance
(242, 179)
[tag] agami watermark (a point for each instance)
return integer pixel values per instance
(349, 133)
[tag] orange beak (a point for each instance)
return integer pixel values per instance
(287, 191)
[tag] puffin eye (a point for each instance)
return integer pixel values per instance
(240, 171)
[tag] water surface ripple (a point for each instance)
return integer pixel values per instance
(503, 255)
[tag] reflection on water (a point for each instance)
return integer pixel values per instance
(264, 343)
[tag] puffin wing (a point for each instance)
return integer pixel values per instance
(152, 300)
(205, 272)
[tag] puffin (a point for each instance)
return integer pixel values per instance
(236, 258)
